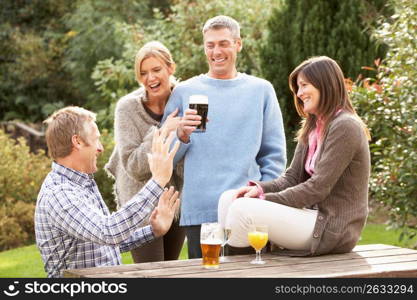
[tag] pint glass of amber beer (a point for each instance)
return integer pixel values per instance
(211, 241)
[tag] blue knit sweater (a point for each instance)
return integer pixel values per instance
(244, 141)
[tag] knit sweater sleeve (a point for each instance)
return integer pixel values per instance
(134, 141)
(272, 157)
(175, 101)
(339, 147)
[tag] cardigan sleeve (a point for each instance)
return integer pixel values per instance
(339, 147)
(133, 144)
(290, 177)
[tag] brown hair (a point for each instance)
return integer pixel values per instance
(63, 125)
(157, 50)
(325, 75)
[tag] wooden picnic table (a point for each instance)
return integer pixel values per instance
(376, 260)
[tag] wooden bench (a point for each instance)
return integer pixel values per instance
(364, 261)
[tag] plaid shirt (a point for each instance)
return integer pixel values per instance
(74, 228)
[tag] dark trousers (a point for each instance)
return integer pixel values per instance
(194, 248)
(167, 247)
(193, 241)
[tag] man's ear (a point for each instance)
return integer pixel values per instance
(76, 141)
(239, 44)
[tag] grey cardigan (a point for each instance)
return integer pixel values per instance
(338, 188)
(128, 164)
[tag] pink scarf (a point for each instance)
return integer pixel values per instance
(314, 144)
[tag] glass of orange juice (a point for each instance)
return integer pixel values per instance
(258, 237)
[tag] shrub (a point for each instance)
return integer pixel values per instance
(21, 175)
(388, 103)
(16, 224)
(94, 38)
(104, 182)
(21, 172)
(301, 29)
(33, 80)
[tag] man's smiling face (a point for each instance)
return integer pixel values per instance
(221, 50)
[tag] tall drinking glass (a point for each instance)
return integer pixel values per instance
(226, 237)
(211, 240)
(258, 237)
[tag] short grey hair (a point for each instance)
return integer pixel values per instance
(220, 22)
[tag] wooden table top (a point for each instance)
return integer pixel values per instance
(375, 260)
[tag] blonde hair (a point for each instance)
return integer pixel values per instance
(63, 125)
(220, 22)
(157, 50)
(325, 75)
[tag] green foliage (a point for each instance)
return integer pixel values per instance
(16, 224)
(94, 38)
(104, 182)
(301, 29)
(50, 48)
(21, 175)
(21, 172)
(33, 82)
(388, 103)
(113, 80)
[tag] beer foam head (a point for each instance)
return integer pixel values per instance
(198, 99)
(212, 241)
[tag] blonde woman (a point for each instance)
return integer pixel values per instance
(137, 115)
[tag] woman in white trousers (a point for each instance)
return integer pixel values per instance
(290, 228)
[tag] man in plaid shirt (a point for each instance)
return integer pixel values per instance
(74, 228)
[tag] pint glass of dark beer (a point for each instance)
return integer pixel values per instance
(200, 104)
(210, 241)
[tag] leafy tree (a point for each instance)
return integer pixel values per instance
(93, 27)
(32, 80)
(301, 29)
(388, 103)
(21, 175)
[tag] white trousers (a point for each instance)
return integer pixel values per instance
(288, 227)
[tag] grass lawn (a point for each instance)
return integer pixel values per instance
(26, 261)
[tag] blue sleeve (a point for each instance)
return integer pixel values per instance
(272, 156)
(176, 101)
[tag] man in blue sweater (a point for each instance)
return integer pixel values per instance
(244, 139)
